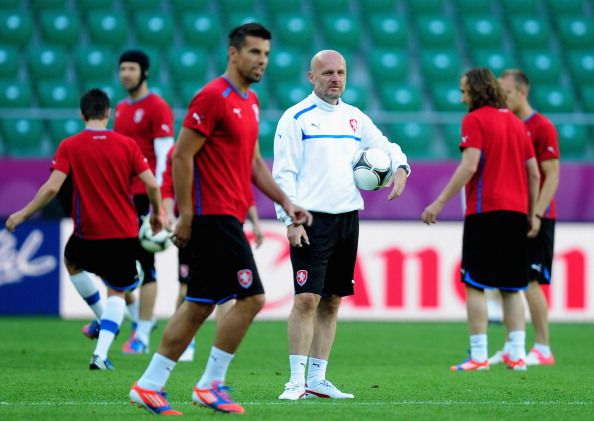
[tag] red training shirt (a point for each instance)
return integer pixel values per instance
(546, 146)
(223, 166)
(144, 121)
(102, 164)
(167, 189)
(500, 182)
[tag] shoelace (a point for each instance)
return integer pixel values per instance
(222, 390)
(327, 384)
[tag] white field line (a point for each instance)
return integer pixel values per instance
(325, 402)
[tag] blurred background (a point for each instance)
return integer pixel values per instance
(404, 61)
(404, 57)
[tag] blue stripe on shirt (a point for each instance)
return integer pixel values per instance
(198, 208)
(479, 193)
(296, 116)
(329, 136)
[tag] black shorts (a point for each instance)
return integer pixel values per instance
(183, 267)
(222, 266)
(494, 250)
(540, 253)
(114, 260)
(326, 267)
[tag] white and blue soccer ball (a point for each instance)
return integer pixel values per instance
(372, 168)
(153, 243)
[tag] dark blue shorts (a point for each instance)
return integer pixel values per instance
(540, 253)
(494, 250)
(222, 266)
(326, 266)
(113, 260)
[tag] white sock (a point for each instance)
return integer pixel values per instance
(157, 373)
(132, 310)
(88, 291)
(297, 364)
(110, 324)
(545, 350)
(507, 347)
(517, 347)
(316, 371)
(143, 331)
(216, 367)
(478, 347)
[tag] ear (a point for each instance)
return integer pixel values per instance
(232, 52)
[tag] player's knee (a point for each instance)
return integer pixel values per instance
(332, 303)
(256, 302)
(71, 267)
(306, 302)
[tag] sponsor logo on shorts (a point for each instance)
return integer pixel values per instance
(301, 277)
(244, 276)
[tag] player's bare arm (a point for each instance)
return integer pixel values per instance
(188, 144)
(43, 196)
(256, 226)
(464, 172)
(399, 182)
(154, 195)
(550, 173)
(169, 207)
(262, 178)
(533, 188)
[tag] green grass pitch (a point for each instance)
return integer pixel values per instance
(396, 371)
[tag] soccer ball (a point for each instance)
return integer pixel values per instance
(372, 168)
(153, 243)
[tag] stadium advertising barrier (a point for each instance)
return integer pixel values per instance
(405, 271)
(29, 269)
(20, 179)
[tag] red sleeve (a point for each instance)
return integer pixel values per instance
(139, 162)
(61, 160)
(167, 184)
(546, 143)
(162, 121)
(472, 136)
(204, 111)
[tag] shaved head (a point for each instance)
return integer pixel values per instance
(325, 56)
(327, 74)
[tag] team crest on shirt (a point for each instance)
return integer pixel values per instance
(301, 277)
(256, 112)
(244, 276)
(138, 115)
(353, 124)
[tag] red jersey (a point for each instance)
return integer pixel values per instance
(500, 182)
(167, 190)
(144, 121)
(102, 164)
(223, 166)
(546, 146)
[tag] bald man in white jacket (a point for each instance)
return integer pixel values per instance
(314, 145)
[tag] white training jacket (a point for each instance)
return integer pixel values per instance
(314, 145)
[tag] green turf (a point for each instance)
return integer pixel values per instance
(395, 370)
